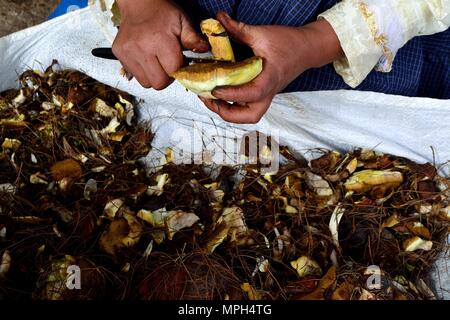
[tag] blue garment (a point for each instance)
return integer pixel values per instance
(67, 6)
(421, 67)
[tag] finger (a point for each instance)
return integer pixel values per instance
(135, 69)
(155, 73)
(238, 113)
(190, 39)
(210, 104)
(170, 57)
(255, 90)
(131, 65)
(237, 30)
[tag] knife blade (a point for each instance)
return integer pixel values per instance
(107, 53)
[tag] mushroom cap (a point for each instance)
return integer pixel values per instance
(202, 78)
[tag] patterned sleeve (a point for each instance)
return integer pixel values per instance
(372, 31)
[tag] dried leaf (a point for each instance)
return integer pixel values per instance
(64, 184)
(38, 178)
(158, 189)
(100, 106)
(427, 189)
(343, 292)
(111, 127)
(148, 250)
(64, 214)
(418, 229)
(20, 99)
(98, 169)
(8, 188)
(351, 167)
(56, 280)
(18, 121)
(251, 292)
(366, 295)
(126, 267)
(47, 106)
(33, 158)
(158, 236)
(306, 266)
(326, 282)
(111, 239)
(417, 243)
(318, 184)
(218, 235)
(326, 163)
(129, 109)
(173, 221)
(390, 222)
(293, 185)
(177, 220)
(135, 232)
(335, 219)
(3, 233)
(425, 290)
(233, 217)
(118, 137)
(367, 154)
(5, 264)
(445, 212)
(90, 188)
(12, 144)
(290, 209)
(112, 207)
(263, 265)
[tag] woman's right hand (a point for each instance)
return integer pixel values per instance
(151, 38)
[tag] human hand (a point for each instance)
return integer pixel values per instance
(287, 52)
(150, 40)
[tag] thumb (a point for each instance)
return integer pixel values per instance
(190, 39)
(237, 30)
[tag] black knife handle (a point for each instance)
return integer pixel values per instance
(105, 53)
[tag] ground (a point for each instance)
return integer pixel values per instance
(20, 14)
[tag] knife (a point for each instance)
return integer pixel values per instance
(107, 53)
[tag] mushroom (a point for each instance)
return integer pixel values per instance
(201, 78)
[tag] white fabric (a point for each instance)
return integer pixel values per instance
(403, 126)
(334, 119)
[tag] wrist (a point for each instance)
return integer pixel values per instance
(322, 43)
(128, 5)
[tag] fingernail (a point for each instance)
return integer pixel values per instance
(217, 106)
(202, 46)
(216, 92)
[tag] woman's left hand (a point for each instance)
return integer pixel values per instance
(287, 52)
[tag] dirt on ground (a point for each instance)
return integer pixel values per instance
(21, 14)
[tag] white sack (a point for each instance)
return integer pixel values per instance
(408, 127)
